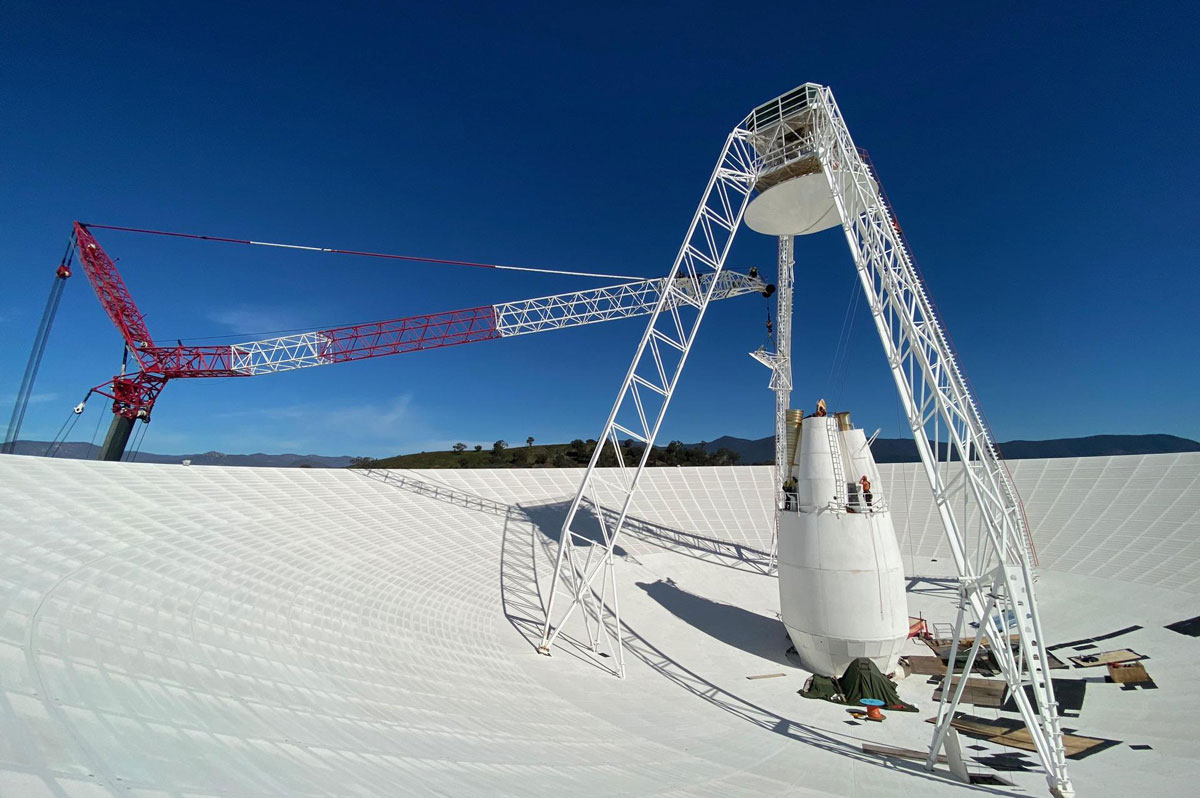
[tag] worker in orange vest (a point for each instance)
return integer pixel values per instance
(866, 489)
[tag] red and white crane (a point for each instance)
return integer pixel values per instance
(134, 394)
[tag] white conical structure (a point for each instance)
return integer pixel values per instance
(841, 579)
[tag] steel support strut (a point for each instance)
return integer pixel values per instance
(994, 563)
(780, 363)
(782, 378)
(644, 395)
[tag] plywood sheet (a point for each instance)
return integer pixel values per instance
(901, 753)
(926, 666)
(980, 692)
(1013, 734)
(1107, 658)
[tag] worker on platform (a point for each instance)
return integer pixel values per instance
(866, 489)
(789, 494)
(821, 412)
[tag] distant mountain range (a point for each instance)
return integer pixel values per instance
(751, 452)
(904, 450)
(87, 451)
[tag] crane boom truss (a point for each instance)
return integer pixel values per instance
(477, 324)
(113, 295)
(134, 395)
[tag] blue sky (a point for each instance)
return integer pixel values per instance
(1043, 164)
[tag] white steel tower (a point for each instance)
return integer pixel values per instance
(816, 174)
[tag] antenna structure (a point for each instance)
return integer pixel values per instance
(797, 134)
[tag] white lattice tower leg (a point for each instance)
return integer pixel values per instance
(781, 376)
(994, 563)
(646, 393)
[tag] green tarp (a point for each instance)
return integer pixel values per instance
(822, 687)
(861, 680)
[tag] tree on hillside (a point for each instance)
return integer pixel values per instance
(478, 447)
(725, 456)
(362, 462)
(499, 446)
(529, 441)
(607, 458)
(460, 447)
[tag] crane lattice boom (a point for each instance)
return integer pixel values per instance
(134, 394)
(505, 320)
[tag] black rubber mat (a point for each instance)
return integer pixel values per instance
(1067, 692)
(1005, 762)
(1098, 638)
(1190, 627)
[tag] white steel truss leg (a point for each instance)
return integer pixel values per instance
(646, 392)
(995, 562)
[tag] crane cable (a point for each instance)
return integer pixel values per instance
(841, 354)
(38, 351)
(387, 256)
(138, 441)
(69, 425)
(61, 436)
(99, 421)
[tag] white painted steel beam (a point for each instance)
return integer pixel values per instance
(616, 302)
(584, 569)
(995, 562)
(572, 309)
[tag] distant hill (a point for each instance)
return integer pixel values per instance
(725, 450)
(904, 450)
(576, 454)
(87, 451)
(762, 451)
